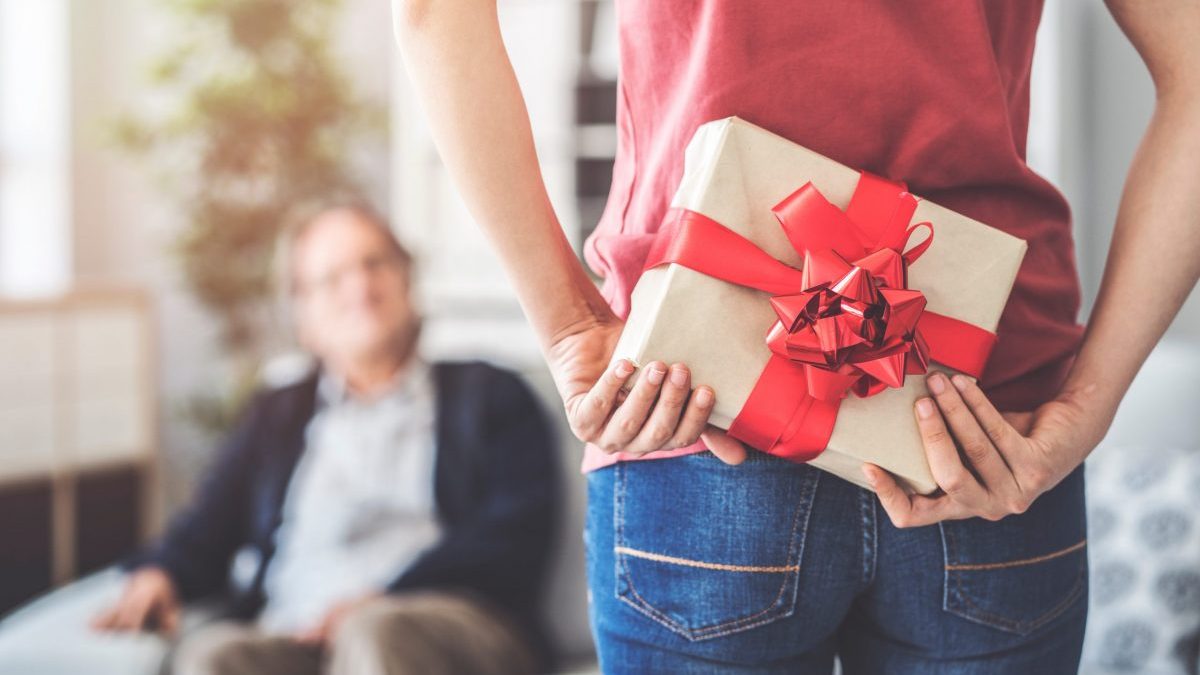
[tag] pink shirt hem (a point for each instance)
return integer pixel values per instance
(595, 458)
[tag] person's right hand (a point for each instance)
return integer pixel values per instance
(661, 412)
(148, 602)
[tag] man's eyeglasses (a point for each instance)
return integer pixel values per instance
(371, 265)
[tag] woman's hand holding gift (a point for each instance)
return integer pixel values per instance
(987, 463)
(660, 412)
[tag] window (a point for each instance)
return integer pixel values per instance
(35, 236)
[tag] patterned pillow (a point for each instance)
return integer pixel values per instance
(1144, 548)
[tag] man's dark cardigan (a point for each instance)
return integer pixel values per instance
(495, 486)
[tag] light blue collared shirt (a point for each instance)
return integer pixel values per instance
(360, 505)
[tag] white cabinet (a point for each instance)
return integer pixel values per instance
(77, 424)
(75, 383)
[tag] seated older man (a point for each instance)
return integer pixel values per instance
(401, 510)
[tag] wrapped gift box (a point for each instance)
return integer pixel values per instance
(735, 173)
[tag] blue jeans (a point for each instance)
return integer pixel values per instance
(695, 566)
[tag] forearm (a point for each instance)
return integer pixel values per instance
(1153, 261)
(457, 62)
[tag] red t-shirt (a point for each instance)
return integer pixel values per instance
(932, 93)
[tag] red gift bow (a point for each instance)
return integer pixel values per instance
(843, 326)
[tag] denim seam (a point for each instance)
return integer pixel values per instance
(727, 627)
(715, 628)
(1022, 627)
(988, 618)
(869, 535)
(688, 562)
(1018, 563)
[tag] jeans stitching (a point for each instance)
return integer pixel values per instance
(727, 627)
(715, 627)
(1018, 563)
(869, 541)
(688, 562)
(989, 618)
(1017, 625)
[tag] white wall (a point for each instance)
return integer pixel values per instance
(1106, 99)
(35, 255)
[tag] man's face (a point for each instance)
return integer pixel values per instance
(352, 300)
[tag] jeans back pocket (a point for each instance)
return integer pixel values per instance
(707, 549)
(1023, 571)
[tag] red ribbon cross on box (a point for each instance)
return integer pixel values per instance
(847, 320)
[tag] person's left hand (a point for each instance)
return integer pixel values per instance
(327, 628)
(1006, 461)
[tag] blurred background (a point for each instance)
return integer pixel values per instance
(149, 148)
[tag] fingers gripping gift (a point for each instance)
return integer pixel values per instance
(804, 292)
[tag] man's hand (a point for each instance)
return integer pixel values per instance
(987, 463)
(326, 629)
(148, 602)
(660, 412)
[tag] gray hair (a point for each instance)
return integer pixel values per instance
(300, 221)
(303, 218)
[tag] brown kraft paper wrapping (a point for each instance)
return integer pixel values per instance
(735, 172)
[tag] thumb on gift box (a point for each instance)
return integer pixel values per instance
(727, 448)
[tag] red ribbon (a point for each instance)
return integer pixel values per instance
(847, 320)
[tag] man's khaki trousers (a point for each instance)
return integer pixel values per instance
(426, 632)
